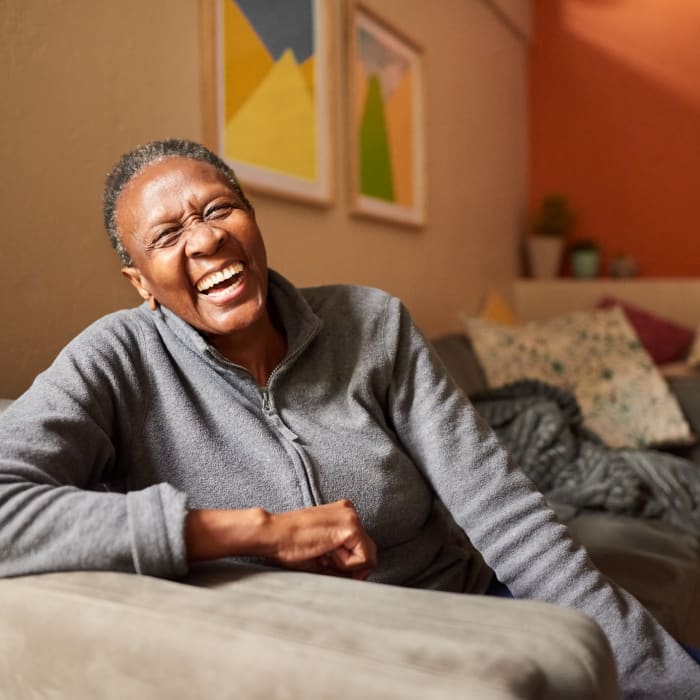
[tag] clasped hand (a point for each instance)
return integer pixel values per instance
(327, 539)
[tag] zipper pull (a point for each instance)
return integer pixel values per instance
(274, 418)
(265, 399)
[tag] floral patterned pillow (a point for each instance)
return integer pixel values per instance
(596, 355)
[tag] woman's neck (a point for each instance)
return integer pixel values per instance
(259, 348)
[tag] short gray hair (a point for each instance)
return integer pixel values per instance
(133, 162)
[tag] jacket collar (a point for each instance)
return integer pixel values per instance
(300, 323)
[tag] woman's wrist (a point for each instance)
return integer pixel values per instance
(212, 534)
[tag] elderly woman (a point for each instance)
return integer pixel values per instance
(233, 415)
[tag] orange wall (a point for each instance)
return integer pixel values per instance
(615, 124)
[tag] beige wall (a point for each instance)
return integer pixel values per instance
(83, 81)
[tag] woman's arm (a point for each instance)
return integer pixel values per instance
(324, 539)
(508, 520)
(59, 441)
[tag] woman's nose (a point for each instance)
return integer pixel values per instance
(203, 239)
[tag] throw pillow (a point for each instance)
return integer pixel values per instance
(665, 340)
(597, 356)
(694, 355)
(495, 308)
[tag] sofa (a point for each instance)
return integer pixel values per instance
(242, 631)
(246, 632)
(233, 630)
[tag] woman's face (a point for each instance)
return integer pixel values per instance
(194, 247)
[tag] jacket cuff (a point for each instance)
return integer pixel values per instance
(156, 518)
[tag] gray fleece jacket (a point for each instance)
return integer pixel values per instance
(140, 418)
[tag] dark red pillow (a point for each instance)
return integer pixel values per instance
(665, 340)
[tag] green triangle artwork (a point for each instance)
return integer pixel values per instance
(386, 87)
(376, 175)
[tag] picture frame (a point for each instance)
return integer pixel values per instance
(267, 104)
(386, 121)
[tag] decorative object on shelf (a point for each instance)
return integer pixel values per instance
(584, 255)
(386, 133)
(267, 81)
(623, 266)
(545, 246)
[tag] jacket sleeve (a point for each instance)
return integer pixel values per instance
(508, 520)
(57, 443)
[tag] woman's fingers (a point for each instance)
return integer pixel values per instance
(330, 537)
(356, 554)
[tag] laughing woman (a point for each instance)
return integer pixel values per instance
(233, 415)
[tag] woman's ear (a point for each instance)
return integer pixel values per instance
(136, 278)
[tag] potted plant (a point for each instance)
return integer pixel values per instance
(584, 255)
(553, 223)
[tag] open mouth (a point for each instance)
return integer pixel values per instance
(223, 279)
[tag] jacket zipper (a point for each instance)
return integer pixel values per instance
(265, 394)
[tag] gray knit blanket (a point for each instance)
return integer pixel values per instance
(542, 427)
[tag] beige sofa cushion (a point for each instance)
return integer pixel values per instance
(250, 633)
(657, 563)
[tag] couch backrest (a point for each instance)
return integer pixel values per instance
(457, 354)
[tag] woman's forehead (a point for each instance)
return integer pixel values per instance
(163, 186)
(173, 175)
(177, 169)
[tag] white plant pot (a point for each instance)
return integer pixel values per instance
(545, 255)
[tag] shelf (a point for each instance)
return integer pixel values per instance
(674, 298)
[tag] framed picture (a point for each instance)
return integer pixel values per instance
(267, 103)
(386, 121)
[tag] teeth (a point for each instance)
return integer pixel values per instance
(216, 277)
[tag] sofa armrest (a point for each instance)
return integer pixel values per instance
(258, 633)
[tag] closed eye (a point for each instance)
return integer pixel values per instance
(166, 237)
(219, 211)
